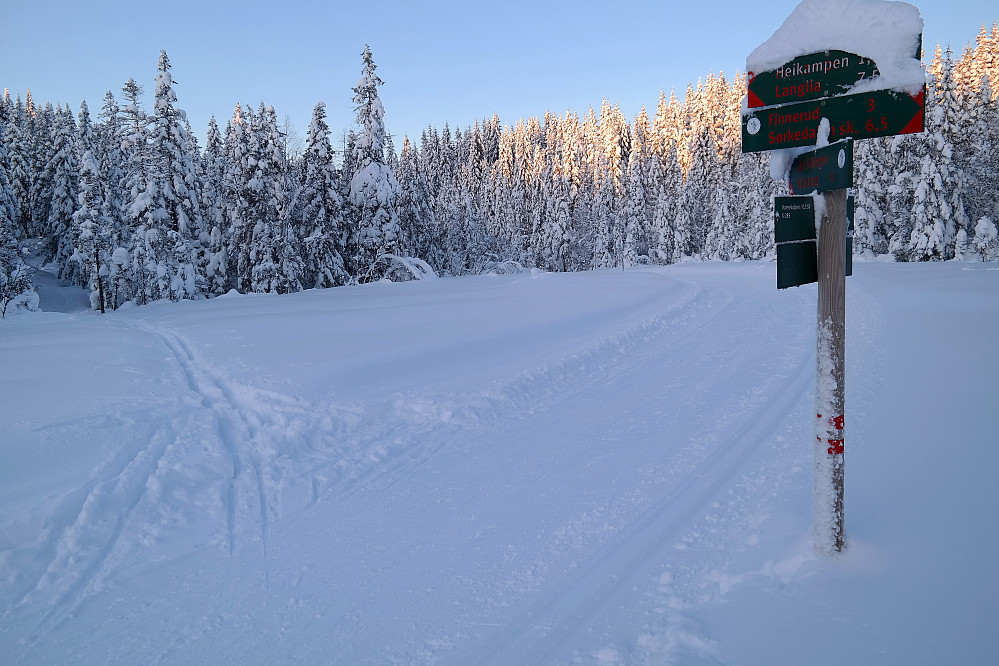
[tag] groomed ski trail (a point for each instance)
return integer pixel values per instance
(587, 466)
(726, 323)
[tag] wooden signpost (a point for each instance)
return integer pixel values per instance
(785, 108)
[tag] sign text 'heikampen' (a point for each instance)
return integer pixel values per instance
(813, 76)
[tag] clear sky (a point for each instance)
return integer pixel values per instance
(441, 61)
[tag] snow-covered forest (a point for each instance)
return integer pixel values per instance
(128, 205)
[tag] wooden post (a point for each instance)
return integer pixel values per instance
(830, 374)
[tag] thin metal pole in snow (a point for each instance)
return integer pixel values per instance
(830, 374)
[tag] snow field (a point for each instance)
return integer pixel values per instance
(604, 467)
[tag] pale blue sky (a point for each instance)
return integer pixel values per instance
(441, 61)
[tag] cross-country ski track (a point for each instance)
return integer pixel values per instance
(520, 469)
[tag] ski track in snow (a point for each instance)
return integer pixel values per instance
(237, 429)
(546, 631)
(620, 566)
(84, 536)
(94, 525)
(281, 449)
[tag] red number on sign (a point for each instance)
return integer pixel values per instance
(874, 125)
(870, 106)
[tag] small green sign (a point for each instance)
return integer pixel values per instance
(794, 233)
(823, 169)
(813, 76)
(860, 116)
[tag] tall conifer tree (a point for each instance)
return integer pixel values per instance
(320, 208)
(373, 187)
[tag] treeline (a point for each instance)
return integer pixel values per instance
(131, 207)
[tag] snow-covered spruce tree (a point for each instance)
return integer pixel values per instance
(983, 162)
(450, 213)
(571, 189)
(664, 249)
(982, 61)
(8, 206)
(729, 130)
(638, 204)
(417, 221)
(139, 229)
(235, 200)
(6, 110)
(465, 239)
(938, 209)
(700, 188)
(18, 169)
(175, 216)
(319, 209)
(259, 216)
(507, 203)
(954, 138)
(84, 130)
(904, 159)
(291, 265)
(40, 147)
(373, 187)
(538, 187)
(870, 189)
(606, 233)
(63, 174)
(556, 234)
(275, 255)
(932, 233)
(16, 289)
(756, 195)
(634, 213)
(212, 202)
(448, 203)
(610, 158)
(106, 145)
(986, 240)
(93, 244)
(472, 248)
(723, 239)
(113, 181)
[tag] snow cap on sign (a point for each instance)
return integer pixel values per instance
(886, 32)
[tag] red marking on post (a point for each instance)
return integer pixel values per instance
(836, 421)
(835, 445)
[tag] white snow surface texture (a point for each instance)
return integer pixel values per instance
(611, 467)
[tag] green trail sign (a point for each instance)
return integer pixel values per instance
(858, 116)
(794, 232)
(823, 169)
(813, 76)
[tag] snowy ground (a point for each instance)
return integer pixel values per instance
(598, 468)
